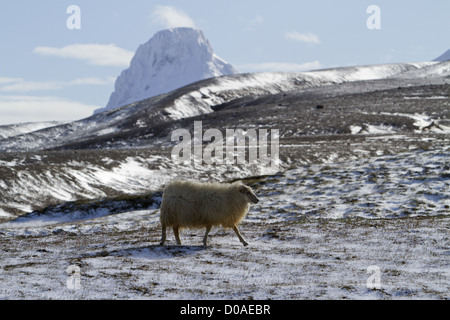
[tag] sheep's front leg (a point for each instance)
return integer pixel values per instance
(235, 228)
(163, 236)
(205, 238)
(176, 232)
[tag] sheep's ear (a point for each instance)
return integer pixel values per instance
(242, 189)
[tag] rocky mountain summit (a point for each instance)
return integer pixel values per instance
(171, 59)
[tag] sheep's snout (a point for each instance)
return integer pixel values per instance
(247, 191)
(254, 199)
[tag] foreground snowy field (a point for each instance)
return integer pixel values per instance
(319, 232)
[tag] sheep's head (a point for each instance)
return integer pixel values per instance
(248, 192)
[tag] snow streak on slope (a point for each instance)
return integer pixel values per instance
(225, 89)
(52, 182)
(7, 131)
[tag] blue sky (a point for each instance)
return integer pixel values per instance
(49, 72)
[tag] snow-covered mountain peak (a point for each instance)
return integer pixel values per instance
(171, 59)
(444, 57)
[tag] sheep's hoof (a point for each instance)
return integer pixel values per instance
(161, 244)
(245, 244)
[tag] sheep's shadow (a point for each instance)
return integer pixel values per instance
(157, 251)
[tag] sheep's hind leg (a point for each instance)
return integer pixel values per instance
(163, 236)
(235, 228)
(176, 232)
(205, 238)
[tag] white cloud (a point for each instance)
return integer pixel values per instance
(171, 17)
(26, 86)
(257, 20)
(95, 54)
(309, 37)
(4, 80)
(252, 24)
(279, 67)
(93, 81)
(19, 109)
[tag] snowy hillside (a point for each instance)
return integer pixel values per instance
(7, 131)
(225, 89)
(169, 60)
(206, 96)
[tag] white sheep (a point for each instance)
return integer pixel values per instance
(187, 204)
